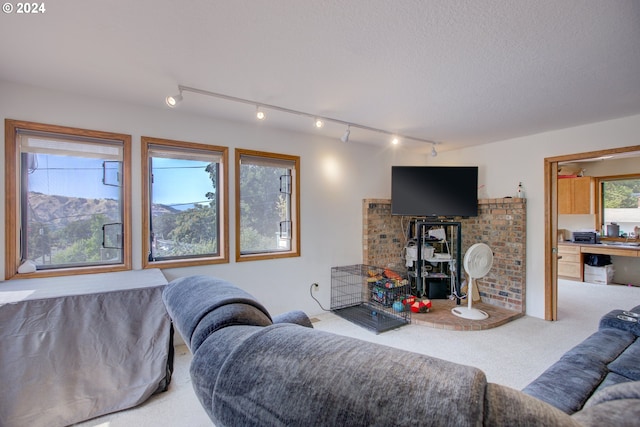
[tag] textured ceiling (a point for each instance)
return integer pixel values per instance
(457, 72)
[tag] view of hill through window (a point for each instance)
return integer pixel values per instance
(73, 210)
(184, 208)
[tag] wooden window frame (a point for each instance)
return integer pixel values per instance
(599, 202)
(12, 199)
(223, 243)
(295, 207)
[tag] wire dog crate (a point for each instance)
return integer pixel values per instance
(371, 297)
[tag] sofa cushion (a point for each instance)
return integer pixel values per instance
(628, 363)
(601, 347)
(189, 299)
(568, 383)
(290, 375)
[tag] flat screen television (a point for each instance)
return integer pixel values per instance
(434, 191)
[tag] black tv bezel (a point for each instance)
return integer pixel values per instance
(434, 172)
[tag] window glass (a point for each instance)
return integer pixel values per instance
(71, 204)
(185, 201)
(267, 213)
(621, 204)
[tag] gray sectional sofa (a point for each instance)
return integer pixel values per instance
(608, 357)
(251, 369)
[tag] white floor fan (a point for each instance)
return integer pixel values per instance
(477, 263)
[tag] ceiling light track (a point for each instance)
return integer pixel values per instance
(316, 118)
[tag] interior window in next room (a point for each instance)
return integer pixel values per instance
(620, 204)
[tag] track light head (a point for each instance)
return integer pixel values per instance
(345, 137)
(260, 114)
(434, 153)
(173, 100)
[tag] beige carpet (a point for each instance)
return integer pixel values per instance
(513, 354)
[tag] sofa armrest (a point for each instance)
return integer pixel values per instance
(611, 320)
(617, 405)
(619, 413)
(295, 316)
(505, 406)
(235, 314)
(190, 299)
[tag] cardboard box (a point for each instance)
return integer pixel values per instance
(599, 275)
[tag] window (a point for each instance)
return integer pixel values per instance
(267, 205)
(620, 203)
(67, 200)
(185, 203)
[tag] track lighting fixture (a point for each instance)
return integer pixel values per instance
(434, 153)
(319, 121)
(173, 100)
(345, 137)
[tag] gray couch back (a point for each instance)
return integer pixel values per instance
(247, 371)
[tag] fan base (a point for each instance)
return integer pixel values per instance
(469, 313)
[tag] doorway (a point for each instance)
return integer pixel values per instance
(551, 219)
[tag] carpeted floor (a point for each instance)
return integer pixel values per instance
(512, 354)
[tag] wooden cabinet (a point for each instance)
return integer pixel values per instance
(570, 262)
(575, 195)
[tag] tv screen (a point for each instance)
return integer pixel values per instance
(447, 191)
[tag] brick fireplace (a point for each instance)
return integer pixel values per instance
(501, 224)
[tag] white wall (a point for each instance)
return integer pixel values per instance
(503, 164)
(335, 177)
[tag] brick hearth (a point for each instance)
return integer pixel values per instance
(501, 224)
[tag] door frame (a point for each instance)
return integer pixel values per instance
(551, 221)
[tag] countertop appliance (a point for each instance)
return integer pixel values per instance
(586, 237)
(613, 230)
